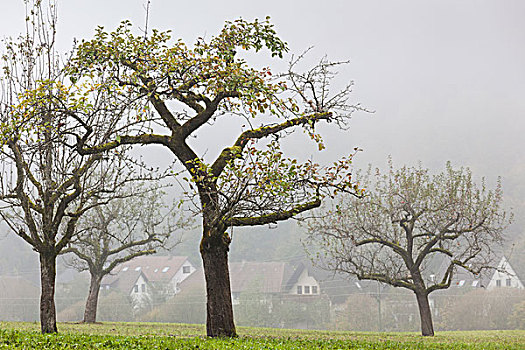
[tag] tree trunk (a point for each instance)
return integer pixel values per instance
(425, 314)
(48, 320)
(90, 313)
(219, 309)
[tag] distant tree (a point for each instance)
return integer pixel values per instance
(407, 220)
(188, 306)
(254, 308)
(517, 319)
(109, 235)
(116, 307)
(481, 309)
(356, 315)
(250, 182)
(293, 312)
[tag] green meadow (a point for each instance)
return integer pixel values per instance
(14, 335)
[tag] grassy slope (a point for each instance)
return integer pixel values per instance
(177, 336)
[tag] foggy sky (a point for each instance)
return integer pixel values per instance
(445, 78)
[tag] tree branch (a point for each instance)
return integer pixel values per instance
(273, 217)
(231, 152)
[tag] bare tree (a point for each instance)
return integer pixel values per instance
(119, 231)
(45, 184)
(408, 220)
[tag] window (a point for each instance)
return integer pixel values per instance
(165, 269)
(314, 289)
(135, 288)
(137, 268)
(186, 269)
(125, 268)
(498, 283)
(358, 285)
(299, 289)
(475, 283)
(143, 288)
(306, 289)
(461, 283)
(508, 282)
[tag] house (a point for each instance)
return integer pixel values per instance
(143, 276)
(132, 283)
(269, 294)
(271, 279)
(504, 276)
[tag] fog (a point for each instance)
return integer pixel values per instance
(444, 81)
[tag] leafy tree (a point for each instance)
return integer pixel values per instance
(172, 91)
(408, 220)
(109, 235)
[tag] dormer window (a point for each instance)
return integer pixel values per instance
(186, 269)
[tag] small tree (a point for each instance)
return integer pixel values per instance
(250, 182)
(117, 232)
(408, 220)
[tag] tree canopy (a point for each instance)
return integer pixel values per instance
(409, 224)
(171, 91)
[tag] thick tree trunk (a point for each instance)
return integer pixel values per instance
(90, 313)
(425, 314)
(48, 322)
(219, 309)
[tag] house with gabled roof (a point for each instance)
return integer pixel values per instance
(132, 283)
(272, 278)
(168, 271)
(504, 276)
(140, 276)
(272, 286)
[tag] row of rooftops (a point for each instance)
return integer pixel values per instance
(271, 277)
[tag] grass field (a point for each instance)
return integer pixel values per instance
(15, 335)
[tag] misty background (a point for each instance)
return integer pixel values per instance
(444, 79)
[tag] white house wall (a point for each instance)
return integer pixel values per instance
(140, 292)
(504, 272)
(303, 281)
(181, 276)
